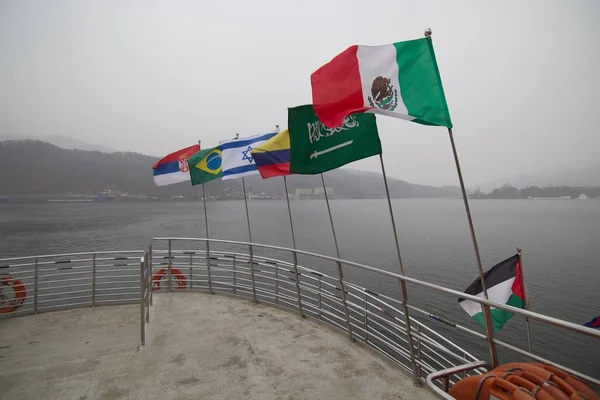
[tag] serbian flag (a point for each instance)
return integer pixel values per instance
(504, 283)
(595, 323)
(174, 168)
(399, 80)
(272, 158)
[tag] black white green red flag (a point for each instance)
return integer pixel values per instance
(504, 283)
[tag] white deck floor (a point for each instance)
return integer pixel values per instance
(199, 347)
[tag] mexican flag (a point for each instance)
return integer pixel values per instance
(399, 80)
(205, 166)
(315, 148)
(504, 283)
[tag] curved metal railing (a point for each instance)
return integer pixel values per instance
(369, 316)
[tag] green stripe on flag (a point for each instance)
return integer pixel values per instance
(420, 83)
(499, 317)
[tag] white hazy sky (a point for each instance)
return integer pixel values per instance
(521, 77)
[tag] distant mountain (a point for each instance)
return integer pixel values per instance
(63, 142)
(353, 184)
(589, 176)
(38, 168)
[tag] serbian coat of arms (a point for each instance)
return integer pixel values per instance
(183, 164)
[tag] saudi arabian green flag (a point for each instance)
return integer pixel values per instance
(205, 166)
(315, 148)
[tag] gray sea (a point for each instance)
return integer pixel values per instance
(560, 241)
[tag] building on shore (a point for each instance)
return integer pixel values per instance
(303, 192)
(318, 191)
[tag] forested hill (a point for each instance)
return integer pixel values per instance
(38, 168)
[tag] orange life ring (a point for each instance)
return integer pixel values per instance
(20, 294)
(576, 383)
(176, 273)
(536, 385)
(570, 387)
(486, 387)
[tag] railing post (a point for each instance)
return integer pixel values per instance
(234, 275)
(208, 267)
(252, 273)
(169, 267)
(319, 298)
(418, 350)
(343, 290)
(297, 283)
(35, 286)
(94, 280)
(366, 318)
(411, 345)
(191, 272)
(147, 271)
(150, 271)
(276, 284)
(142, 305)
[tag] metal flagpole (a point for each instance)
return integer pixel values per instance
(527, 305)
(207, 234)
(416, 367)
(207, 242)
(250, 237)
(485, 308)
(339, 264)
(297, 276)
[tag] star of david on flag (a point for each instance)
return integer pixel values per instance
(236, 158)
(245, 155)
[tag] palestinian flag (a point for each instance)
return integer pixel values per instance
(504, 283)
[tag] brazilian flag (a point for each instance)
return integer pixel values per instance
(205, 166)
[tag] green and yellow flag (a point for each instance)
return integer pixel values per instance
(205, 166)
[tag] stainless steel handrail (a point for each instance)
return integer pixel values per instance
(87, 253)
(446, 373)
(283, 283)
(539, 317)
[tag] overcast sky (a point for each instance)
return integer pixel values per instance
(521, 77)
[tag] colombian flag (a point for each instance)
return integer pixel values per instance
(272, 157)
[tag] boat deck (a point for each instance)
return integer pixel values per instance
(199, 346)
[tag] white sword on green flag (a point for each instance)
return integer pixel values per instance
(316, 154)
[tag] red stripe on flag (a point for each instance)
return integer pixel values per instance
(337, 88)
(517, 286)
(182, 154)
(272, 170)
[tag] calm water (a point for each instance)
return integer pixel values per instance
(561, 242)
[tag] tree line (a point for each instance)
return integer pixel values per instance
(511, 192)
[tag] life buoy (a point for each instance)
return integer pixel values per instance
(523, 381)
(175, 273)
(20, 295)
(576, 383)
(551, 379)
(487, 386)
(541, 389)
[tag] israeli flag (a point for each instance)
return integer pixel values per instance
(236, 158)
